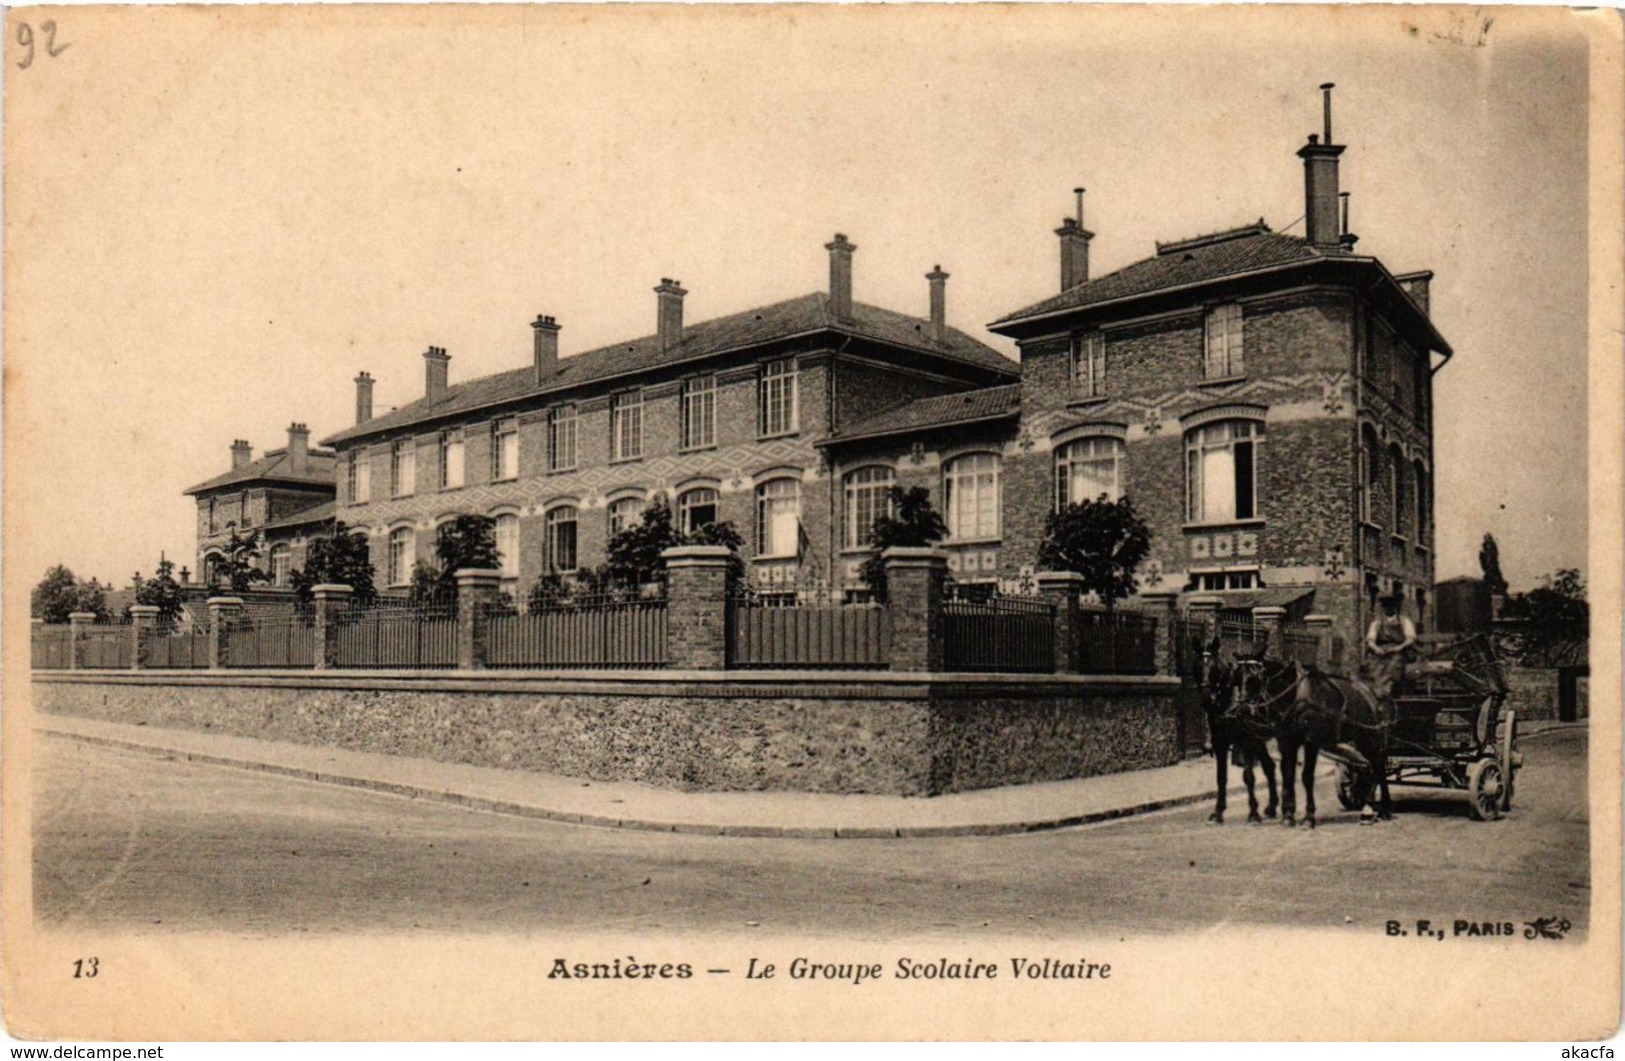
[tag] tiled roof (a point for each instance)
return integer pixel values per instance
(320, 514)
(274, 465)
(1182, 263)
(796, 316)
(986, 403)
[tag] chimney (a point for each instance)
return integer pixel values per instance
(1346, 239)
(1416, 286)
(298, 448)
(363, 398)
(436, 363)
(939, 304)
(241, 452)
(546, 330)
(840, 276)
(669, 313)
(1320, 184)
(1074, 248)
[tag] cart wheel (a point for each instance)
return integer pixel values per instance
(1484, 789)
(1509, 731)
(1353, 788)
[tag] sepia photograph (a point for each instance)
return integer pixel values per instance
(826, 522)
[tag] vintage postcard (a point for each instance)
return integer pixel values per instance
(812, 522)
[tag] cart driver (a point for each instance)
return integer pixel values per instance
(1389, 644)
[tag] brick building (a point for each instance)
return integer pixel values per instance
(1264, 399)
(286, 495)
(722, 418)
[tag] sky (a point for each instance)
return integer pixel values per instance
(215, 218)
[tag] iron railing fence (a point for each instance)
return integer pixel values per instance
(52, 648)
(611, 632)
(1301, 644)
(107, 645)
(285, 641)
(1003, 634)
(384, 638)
(1243, 639)
(186, 649)
(1188, 637)
(773, 634)
(1116, 642)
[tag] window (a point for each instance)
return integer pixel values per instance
(281, 565)
(452, 464)
(699, 412)
(403, 472)
(507, 538)
(868, 497)
(1088, 365)
(1086, 469)
(778, 518)
(776, 398)
(504, 450)
(1421, 503)
(696, 508)
(1218, 581)
(970, 494)
(1367, 471)
(214, 518)
(1223, 342)
(400, 556)
(358, 477)
(626, 426)
(1220, 466)
(561, 539)
(624, 514)
(1396, 488)
(561, 439)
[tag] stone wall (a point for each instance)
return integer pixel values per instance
(839, 733)
(1532, 691)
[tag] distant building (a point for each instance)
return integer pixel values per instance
(1465, 606)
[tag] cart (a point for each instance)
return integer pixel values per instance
(1451, 729)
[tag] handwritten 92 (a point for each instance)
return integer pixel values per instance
(25, 37)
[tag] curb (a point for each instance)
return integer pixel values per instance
(524, 810)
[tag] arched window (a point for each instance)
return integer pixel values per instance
(970, 494)
(401, 546)
(1367, 476)
(1221, 464)
(281, 561)
(1396, 488)
(624, 513)
(1088, 468)
(560, 529)
(868, 498)
(778, 518)
(507, 538)
(696, 508)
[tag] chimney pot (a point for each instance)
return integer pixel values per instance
(669, 312)
(840, 276)
(546, 332)
(436, 365)
(363, 397)
(939, 304)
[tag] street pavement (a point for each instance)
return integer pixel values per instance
(146, 840)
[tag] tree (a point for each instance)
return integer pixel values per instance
(1489, 560)
(633, 555)
(59, 594)
(1556, 617)
(162, 592)
(464, 542)
(237, 568)
(343, 559)
(914, 524)
(1104, 541)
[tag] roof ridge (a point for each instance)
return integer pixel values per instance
(1256, 228)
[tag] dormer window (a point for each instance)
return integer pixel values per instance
(1223, 356)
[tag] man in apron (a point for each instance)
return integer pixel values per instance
(1389, 646)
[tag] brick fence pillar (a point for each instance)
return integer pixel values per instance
(222, 610)
(143, 621)
(1272, 618)
(1159, 604)
(1321, 627)
(477, 589)
(1063, 589)
(1204, 610)
(332, 600)
(915, 582)
(79, 624)
(697, 606)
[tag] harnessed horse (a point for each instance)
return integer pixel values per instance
(1314, 713)
(1228, 728)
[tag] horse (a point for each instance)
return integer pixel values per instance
(1228, 730)
(1312, 713)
